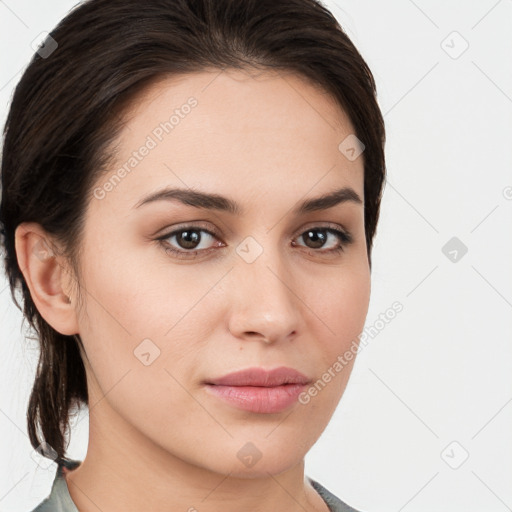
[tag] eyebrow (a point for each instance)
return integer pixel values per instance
(218, 202)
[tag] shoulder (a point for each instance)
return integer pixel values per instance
(46, 506)
(59, 500)
(333, 502)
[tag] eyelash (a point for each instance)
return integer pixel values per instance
(344, 238)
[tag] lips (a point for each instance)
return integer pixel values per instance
(261, 377)
(258, 390)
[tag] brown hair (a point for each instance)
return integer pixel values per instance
(66, 112)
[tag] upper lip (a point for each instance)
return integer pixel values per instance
(261, 377)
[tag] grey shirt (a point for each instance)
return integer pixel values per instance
(59, 499)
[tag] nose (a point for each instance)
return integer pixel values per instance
(264, 305)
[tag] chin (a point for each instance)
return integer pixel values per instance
(252, 462)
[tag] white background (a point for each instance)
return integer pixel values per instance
(441, 370)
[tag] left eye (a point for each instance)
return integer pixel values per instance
(189, 240)
(319, 236)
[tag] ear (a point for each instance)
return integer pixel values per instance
(47, 276)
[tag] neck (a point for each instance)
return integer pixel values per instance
(124, 470)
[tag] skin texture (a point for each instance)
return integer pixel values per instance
(157, 440)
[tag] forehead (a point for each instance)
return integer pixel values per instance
(251, 91)
(234, 130)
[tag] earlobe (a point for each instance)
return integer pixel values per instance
(47, 277)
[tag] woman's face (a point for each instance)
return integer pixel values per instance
(261, 285)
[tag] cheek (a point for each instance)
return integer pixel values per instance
(134, 328)
(341, 307)
(135, 313)
(138, 295)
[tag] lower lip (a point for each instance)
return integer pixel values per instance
(258, 399)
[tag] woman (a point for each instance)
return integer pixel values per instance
(190, 191)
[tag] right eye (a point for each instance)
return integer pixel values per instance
(188, 239)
